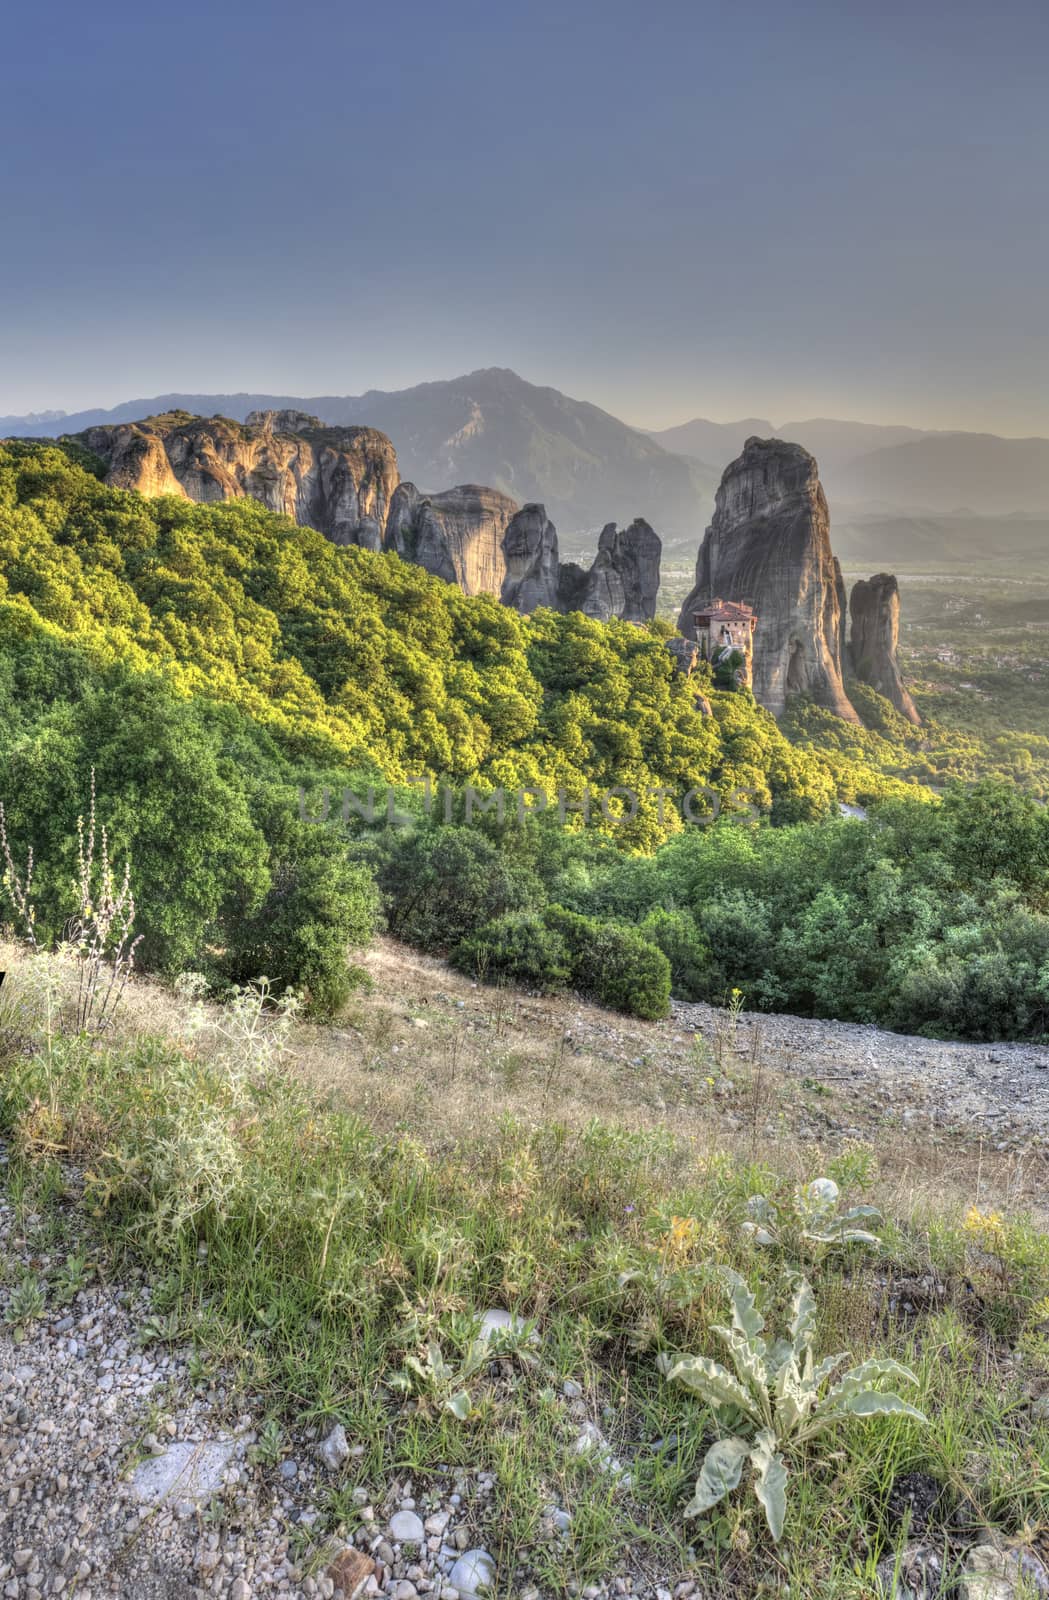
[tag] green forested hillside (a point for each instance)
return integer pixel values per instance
(212, 665)
(349, 658)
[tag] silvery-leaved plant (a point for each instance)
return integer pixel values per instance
(779, 1398)
(812, 1221)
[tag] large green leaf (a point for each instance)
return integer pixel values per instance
(745, 1315)
(859, 1214)
(803, 1318)
(794, 1399)
(719, 1475)
(782, 1352)
(872, 1403)
(761, 1220)
(823, 1370)
(748, 1360)
(863, 1377)
(713, 1382)
(770, 1481)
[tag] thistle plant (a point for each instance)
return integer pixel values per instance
(812, 1223)
(99, 933)
(434, 1379)
(777, 1400)
(25, 1303)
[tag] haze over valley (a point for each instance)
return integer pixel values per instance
(900, 496)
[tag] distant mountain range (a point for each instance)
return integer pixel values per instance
(875, 467)
(488, 427)
(1012, 546)
(909, 488)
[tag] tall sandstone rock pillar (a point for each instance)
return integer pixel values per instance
(874, 606)
(768, 545)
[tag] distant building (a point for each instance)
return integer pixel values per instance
(723, 627)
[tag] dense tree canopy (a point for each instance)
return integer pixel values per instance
(211, 664)
(347, 657)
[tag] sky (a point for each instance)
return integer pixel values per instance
(670, 209)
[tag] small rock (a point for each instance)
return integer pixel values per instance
(916, 1573)
(496, 1324)
(335, 1449)
(992, 1574)
(190, 1471)
(407, 1528)
(350, 1571)
(473, 1575)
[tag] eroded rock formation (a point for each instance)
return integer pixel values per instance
(457, 534)
(768, 545)
(874, 607)
(338, 480)
(344, 482)
(624, 579)
(532, 565)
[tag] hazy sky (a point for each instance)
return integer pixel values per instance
(668, 208)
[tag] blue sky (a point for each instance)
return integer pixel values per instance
(670, 209)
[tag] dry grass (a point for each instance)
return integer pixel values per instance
(447, 1057)
(425, 1049)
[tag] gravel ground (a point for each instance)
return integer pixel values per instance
(122, 1474)
(998, 1092)
(1001, 1090)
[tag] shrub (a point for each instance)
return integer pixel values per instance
(613, 965)
(439, 884)
(676, 934)
(517, 947)
(319, 903)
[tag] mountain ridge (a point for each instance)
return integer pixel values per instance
(534, 443)
(893, 467)
(490, 426)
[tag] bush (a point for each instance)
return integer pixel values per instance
(518, 948)
(613, 965)
(676, 934)
(318, 904)
(440, 884)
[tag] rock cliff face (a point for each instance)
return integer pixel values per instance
(479, 539)
(532, 565)
(874, 606)
(344, 482)
(457, 534)
(338, 480)
(768, 545)
(624, 579)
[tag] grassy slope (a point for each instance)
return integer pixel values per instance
(335, 1251)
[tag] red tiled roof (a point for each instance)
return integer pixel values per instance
(725, 611)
